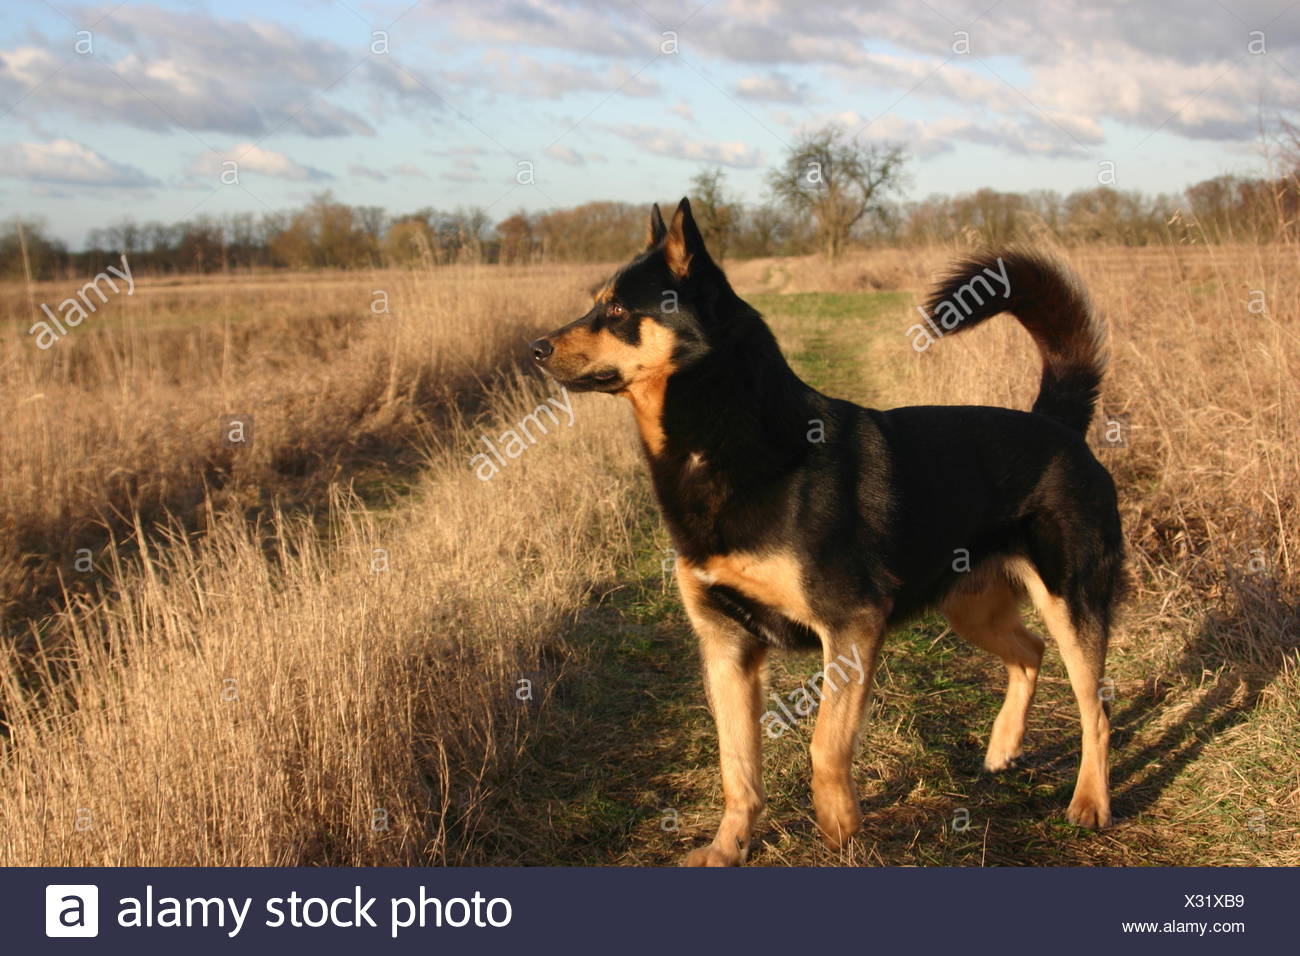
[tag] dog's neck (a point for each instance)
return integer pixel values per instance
(722, 430)
(647, 398)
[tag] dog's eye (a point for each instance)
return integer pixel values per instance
(616, 311)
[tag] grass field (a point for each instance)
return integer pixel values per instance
(338, 645)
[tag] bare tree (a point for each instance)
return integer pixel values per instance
(373, 221)
(838, 180)
(714, 212)
(1288, 146)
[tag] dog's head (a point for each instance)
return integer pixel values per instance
(648, 321)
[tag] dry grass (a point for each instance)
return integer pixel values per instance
(349, 702)
(278, 691)
(124, 416)
(260, 694)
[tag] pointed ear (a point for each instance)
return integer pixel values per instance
(657, 230)
(683, 242)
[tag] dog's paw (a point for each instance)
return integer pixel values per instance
(838, 817)
(712, 855)
(1089, 812)
(996, 761)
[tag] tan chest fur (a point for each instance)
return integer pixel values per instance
(773, 579)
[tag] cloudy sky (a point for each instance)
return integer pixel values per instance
(138, 109)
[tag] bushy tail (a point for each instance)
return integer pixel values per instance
(1052, 305)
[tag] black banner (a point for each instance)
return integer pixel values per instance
(210, 910)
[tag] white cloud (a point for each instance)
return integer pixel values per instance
(585, 25)
(401, 170)
(1027, 136)
(249, 158)
(464, 149)
(523, 75)
(406, 84)
(566, 155)
(1213, 100)
(464, 170)
(665, 142)
(409, 170)
(357, 171)
(67, 163)
(772, 88)
(160, 69)
(1050, 64)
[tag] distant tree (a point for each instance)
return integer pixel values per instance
(201, 245)
(828, 191)
(339, 239)
(838, 181)
(996, 217)
(1212, 203)
(1045, 206)
(516, 234)
(291, 245)
(21, 239)
(408, 242)
(1110, 215)
(715, 214)
(461, 234)
(241, 238)
(125, 235)
(766, 230)
(160, 239)
(592, 232)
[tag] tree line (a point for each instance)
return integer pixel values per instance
(828, 193)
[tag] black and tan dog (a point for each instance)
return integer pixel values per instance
(801, 519)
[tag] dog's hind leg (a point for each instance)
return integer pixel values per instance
(1083, 648)
(850, 654)
(990, 619)
(733, 682)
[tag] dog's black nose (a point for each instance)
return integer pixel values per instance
(542, 350)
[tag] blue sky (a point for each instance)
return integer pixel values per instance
(438, 103)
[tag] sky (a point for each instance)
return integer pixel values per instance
(139, 110)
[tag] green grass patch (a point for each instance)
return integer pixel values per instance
(830, 337)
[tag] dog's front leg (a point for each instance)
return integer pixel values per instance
(849, 664)
(733, 681)
(734, 684)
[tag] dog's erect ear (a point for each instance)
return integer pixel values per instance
(657, 230)
(683, 242)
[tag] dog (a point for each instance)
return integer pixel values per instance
(801, 520)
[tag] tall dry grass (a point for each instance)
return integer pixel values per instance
(340, 685)
(124, 416)
(355, 701)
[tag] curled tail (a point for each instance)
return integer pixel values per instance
(1052, 305)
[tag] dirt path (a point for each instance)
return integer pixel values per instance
(623, 768)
